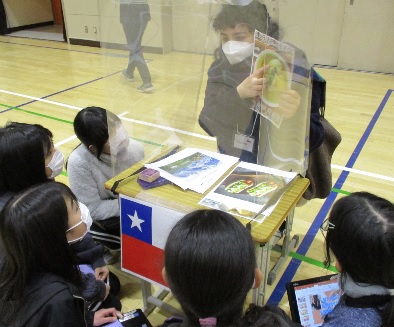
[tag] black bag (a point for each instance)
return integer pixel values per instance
(319, 163)
(319, 166)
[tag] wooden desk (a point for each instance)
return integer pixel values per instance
(171, 197)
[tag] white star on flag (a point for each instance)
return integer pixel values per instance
(135, 221)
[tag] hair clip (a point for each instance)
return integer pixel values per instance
(211, 321)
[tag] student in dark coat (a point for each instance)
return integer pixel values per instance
(40, 283)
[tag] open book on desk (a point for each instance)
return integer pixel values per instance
(194, 169)
(249, 191)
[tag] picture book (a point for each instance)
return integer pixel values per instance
(274, 61)
(194, 169)
(247, 191)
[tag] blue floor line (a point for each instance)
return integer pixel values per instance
(6, 110)
(65, 90)
(117, 55)
(291, 269)
(52, 48)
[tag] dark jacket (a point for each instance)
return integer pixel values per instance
(225, 114)
(89, 252)
(50, 301)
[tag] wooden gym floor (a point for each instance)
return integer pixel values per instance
(48, 82)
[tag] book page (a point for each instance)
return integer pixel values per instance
(247, 190)
(275, 61)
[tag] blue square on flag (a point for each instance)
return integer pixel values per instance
(136, 220)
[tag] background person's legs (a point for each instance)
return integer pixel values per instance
(134, 30)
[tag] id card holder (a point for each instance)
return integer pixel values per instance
(243, 142)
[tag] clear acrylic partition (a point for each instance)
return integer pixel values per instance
(179, 47)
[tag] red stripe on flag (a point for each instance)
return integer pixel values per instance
(142, 258)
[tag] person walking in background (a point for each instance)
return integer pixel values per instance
(134, 17)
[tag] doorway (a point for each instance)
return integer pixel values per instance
(51, 28)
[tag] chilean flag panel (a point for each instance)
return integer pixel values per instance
(145, 228)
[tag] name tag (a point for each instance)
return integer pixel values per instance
(243, 142)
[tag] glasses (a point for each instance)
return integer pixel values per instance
(325, 226)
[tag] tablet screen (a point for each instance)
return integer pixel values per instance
(311, 300)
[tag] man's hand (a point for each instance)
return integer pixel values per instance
(289, 102)
(252, 85)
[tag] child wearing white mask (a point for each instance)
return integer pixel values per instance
(41, 282)
(54, 163)
(27, 158)
(100, 285)
(105, 151)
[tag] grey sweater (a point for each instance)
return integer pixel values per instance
(87, 176)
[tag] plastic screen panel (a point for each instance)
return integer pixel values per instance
(214, 75)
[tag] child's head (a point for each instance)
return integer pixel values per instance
(241, 21)
(361, 237)
(26, 150)
(101, 131)
(91, 128)
(210, 265)
(33, 228)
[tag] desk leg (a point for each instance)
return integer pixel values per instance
(146, 293)
(152, 301)
(288, 243)
(263, 260)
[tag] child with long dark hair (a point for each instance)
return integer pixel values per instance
(105, 151)
(360, 234)
(27, 157)
(40, 283)
(210, 266)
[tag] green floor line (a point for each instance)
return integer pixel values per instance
(340, 191)
(305, 259)
(37, 114)
(69, 122)
(148, 142)
(311, 261)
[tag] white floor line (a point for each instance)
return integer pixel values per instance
(65, 141)
(170, 129)
(42, 100)
(123, 118)
(365, 173)
(356, 171)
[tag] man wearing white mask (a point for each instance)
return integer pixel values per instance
(232, 88)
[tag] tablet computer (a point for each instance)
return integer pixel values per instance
(134, 318)
(312, 299)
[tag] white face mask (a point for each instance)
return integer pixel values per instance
(85, 215)
(56, 163)
(85, 218)
(120, 141)
(237, 51)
